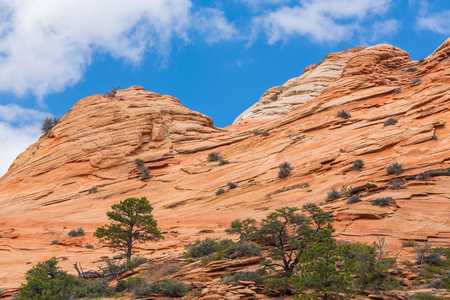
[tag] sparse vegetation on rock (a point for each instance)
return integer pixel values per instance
(48, 124)
(390, 121)
(76, 233)
(285, 170)
(112, 92)
(411, 69)
(263, 133)
(385, 201)
(394, 168)
(358, 165)
(214, 156)
(132, 222)
(220, 192)
(232, 185)
(354, 199)
(343, 114)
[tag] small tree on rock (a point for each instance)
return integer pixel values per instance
(132, 222)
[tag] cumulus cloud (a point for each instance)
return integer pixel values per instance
(45, 45)
(436, 22)
(321, 20)
(212, 24)
(19, 128)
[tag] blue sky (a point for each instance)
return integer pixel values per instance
(217, 57)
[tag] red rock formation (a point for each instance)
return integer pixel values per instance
(46, 191)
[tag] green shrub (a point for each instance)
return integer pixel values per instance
(285, 170)
(254, 276)
(357, 165)
(415, 80)
(223, 162)
(112, 92)
(173, 288)
(120, 286)
(139, 162)
(232, 185)
(76, 233)
(421, 60)
(263, 133)
(54, 242)
(390, 121)
(411, 70)
(410, 243)
(425, 296)
(214, 156)
(354, 199)
(46, 281)
(141, 287)
(397, 91)
(343, 114)
(207, 246)
(383, 201)
(333, 195)
(394, 168)
(93, 190)
(245, 248)
(89, 246)
(220, 192)
(48, 124)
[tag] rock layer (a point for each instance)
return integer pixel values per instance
(46, 192)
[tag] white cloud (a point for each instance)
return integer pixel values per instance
(436, 22)
(322, 20)
(19, 127)
(45, 45)
(214, 26)
(385, 28)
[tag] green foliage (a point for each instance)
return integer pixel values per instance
(286, 232)
(207, 246)
(411, 69)
(132, 222)
(167, 287)
(244, 248)
(390, 121)
(46, 281)
(173, 288)
(410, 243)
(367, 264)
(383, 201)
(333, 195)
(319, 269)
(354, 199)
(394, 168)
(214, 156)
(263, 133)
(285, 170)
(89, 246)
(93, 190)
(76, 233)
(343, 114)
(54, 242)
(220, 192)
(139, 162)
(425, 296)
(48, 124)
(357, 165)
(254, 276)
(232, 185)
(223, 162)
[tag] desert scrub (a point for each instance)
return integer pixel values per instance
(382, 201)
(263, 133)
(285, 170)
(76, 233)
(220, 192)
(54, 242)
(112, 92)
(343, 114)
(358, 165)
(354, 199)
(223, 162)
(232, 185)
(415, 80)
(207, 246)
(244, 248)
(89, 246)
(139, 162)
(333, 195)
(410, 243)
(397, 91)
(394, 168)
(214, 156)
(390, 121)
(93, 190)
(411, 70)
(254, 276)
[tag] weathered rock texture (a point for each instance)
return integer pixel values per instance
(45, 193)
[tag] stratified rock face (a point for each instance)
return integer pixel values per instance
(46, 192)
(316, 79)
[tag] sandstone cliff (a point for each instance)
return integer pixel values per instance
(46, 191)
